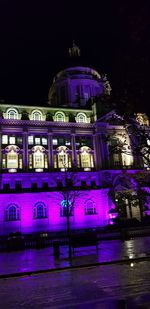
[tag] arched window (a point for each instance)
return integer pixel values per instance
(39, 211)
(38, 159)
(62, 158)
(120, 151)
(12, 114)
(12, 212)
(90, 208)
(81, 117)
(63, 208)
(36, 115)
(12, 158)
(115, 151)
(60, 117)
(85, 157)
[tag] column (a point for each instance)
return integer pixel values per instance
(25, 150)
(97, 155)
(103, 150)
(73, 146)
(50, 151)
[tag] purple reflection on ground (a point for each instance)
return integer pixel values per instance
(32, 260)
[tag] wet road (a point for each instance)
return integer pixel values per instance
(32, 260)
(111, 286)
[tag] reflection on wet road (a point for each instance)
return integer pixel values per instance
(110, 286)
(112, 250)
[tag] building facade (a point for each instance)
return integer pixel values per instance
(62, 153)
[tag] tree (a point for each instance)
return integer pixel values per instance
(130, 190)
(140, 140)
(139, 137)
(67, 197)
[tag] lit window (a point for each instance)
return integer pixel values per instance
(39, 211)
(36, 115)
(4, 139)
(55, 141)
(12, 160)
(30, 140)
(39, 157)
(30, 161)
(38, 160)
(12, 213)
(20, 161)
(12, 114)
(12, 140)
(19, 140)
(4, 161)
(44, 141)
(67, 143)
(11, 157)
(60, 117)
(81, 117)
(46, 161)
(62, 159)
(37, 141)
(85, 158)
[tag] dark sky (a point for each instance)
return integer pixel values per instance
(113, 37)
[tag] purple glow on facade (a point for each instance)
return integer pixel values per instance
(54, 221)
(37, 141)
(52, 200)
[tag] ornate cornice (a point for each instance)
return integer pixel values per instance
(31, 123)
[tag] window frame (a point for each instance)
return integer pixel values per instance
(84, 153)
(63, 118)
(4, 139)
(90, 210)
(15, 113)
(63, 209)
(84, 118)
(36, 211)
(15, 217)
(36, 112)
(62, 158)
(38, 154)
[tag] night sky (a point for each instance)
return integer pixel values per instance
(113, 38)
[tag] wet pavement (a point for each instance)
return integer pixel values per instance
(110, 286)
(42, 259)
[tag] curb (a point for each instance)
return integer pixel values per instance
(51, 270)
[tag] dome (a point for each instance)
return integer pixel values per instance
(74, 86)
(79, 71)
(77, 84)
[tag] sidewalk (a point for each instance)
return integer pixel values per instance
(110, 286)
(33, 260)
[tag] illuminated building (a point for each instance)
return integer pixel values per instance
(64, 143)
